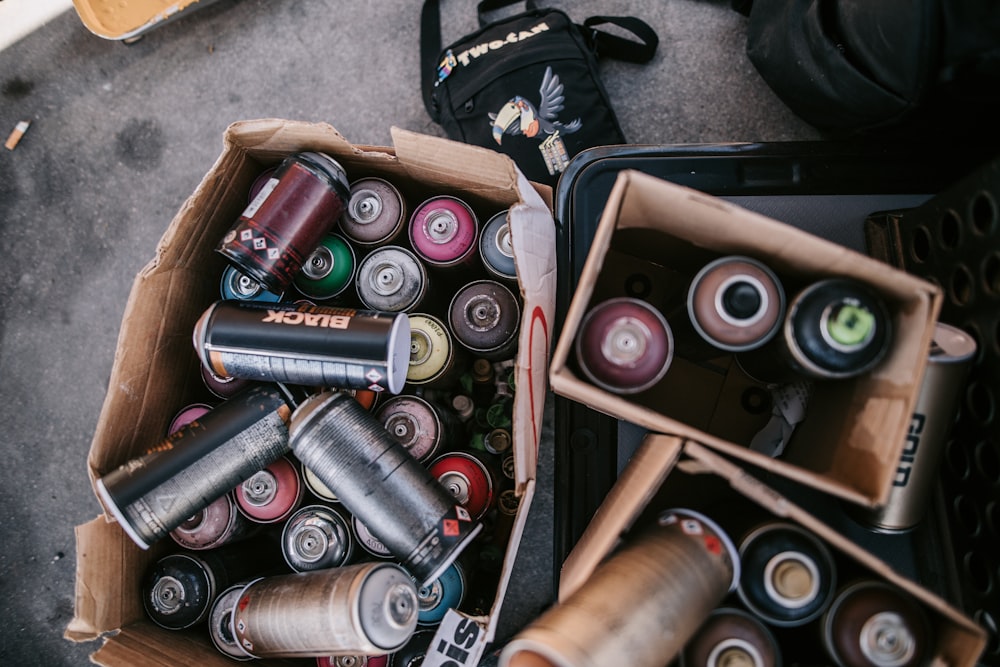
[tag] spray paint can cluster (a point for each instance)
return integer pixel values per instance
(317, 339)
(832, 328)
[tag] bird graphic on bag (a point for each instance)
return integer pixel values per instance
(519, 116)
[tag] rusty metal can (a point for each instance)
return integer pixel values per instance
(378, 481)
(641, 605)
(305, 345)
(366, 609)
(297, 206)
(157, 492)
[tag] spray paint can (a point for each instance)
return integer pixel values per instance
(155, 493)
(443, 231)
(391, 278)
(507, 506)
(951, 355)
(418, 425)
(736, 303)
(444, 593)
(328, 270)
(789, 576)
(305, 345)
(732, 638)
(432, 352)
(237, 285)
(284, 223)
(220, 623)
(186, 415)
(316, 537)
(366, 609)
(353, 454)
(624, 345)
(217, 524)
(497, 250)
(641, 605)
(835, 328)
(368, 541)
(375, 213)
(178, 589)
(484, 316)
(317, 487)
(272, 494)
(873, 624)
(222, 386)
(353, 661)
(468, 479)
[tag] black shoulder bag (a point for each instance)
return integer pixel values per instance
(528, 85)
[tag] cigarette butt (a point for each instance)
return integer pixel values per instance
(16, 134)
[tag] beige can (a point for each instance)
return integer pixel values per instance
(640, 606)
(367, 609)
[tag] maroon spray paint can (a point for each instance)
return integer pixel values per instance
(484, 317)
(272, 494)
(624, 345)
(297, 206)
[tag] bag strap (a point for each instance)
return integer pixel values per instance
(605, 44)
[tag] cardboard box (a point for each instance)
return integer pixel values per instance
(853, 433)
(155, 368)
(666, 471)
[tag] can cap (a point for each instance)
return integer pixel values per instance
(388, 599)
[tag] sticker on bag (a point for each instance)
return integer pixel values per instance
(458, 642)
(520, 117)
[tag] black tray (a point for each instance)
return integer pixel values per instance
(824, 188)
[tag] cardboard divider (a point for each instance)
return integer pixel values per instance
(155, 370)
(854, 430)
(667, 471)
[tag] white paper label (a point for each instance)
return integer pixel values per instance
(788, 409)
(459, 642)
(261, 197)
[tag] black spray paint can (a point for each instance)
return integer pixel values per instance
(157, 492)
(305, 345)
(366, 609)
(378, 481)
(391, 278)
(788, 576)
(316, 537)
(836, 328)
(484, 317)
(285, 222)
(375, 214)
(873, 624)
(624, 345)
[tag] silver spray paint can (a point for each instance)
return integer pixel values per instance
(381, 483)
